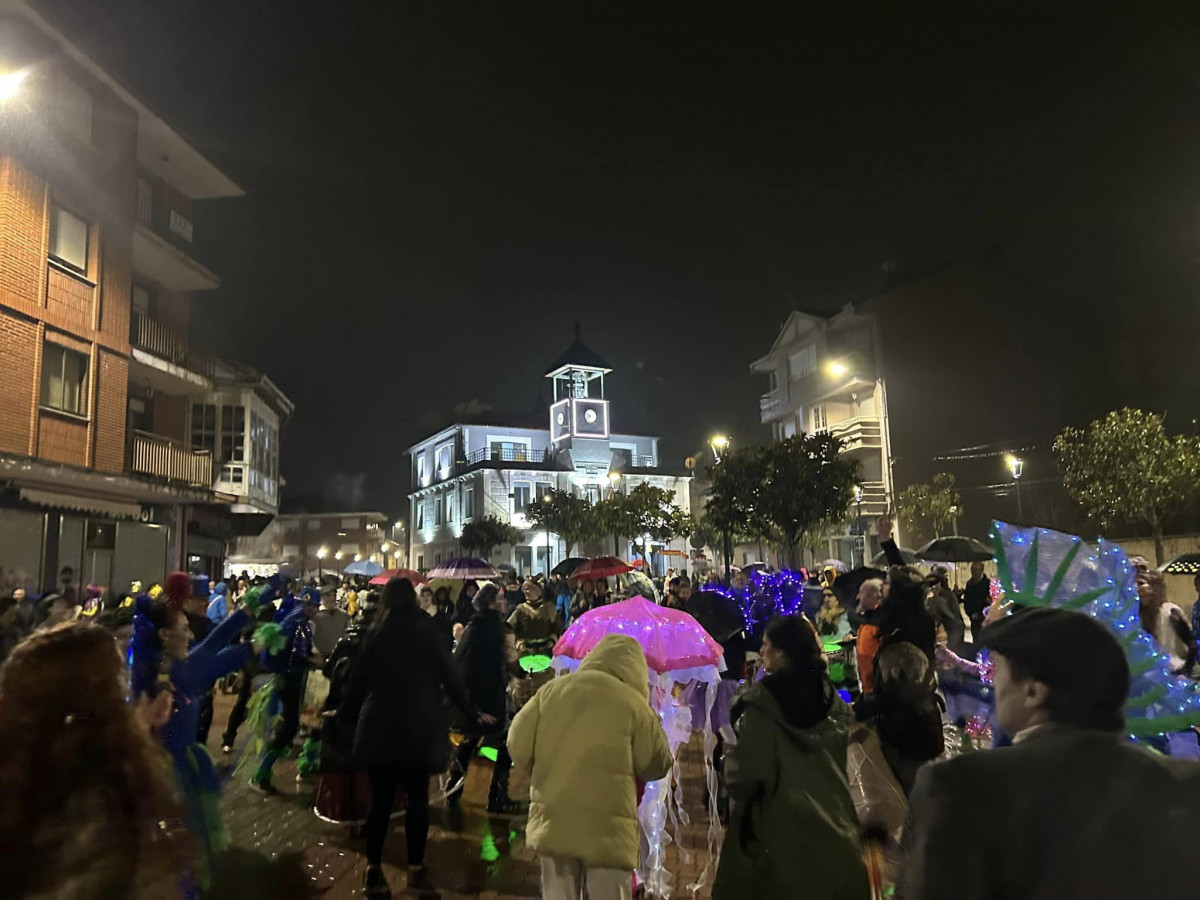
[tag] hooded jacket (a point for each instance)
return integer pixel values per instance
(793, 820)
(586, 738)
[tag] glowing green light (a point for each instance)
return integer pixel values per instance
(489, 753)
(488, 851)
(535, 664)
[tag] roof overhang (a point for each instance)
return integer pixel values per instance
(168, 265)
(161, 149)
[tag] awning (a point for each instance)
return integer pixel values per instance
(83, 503)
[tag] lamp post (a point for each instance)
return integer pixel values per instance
(546, 499)
(1016, 466)
(614, 486)
(320, 563)
(720, 444)
(337, 558)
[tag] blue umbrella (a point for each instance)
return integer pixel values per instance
(363, 567)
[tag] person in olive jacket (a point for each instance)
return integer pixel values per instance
(402, 738)
(793, 830)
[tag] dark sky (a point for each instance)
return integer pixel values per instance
(437, 191)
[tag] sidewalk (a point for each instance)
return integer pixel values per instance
(280, 849)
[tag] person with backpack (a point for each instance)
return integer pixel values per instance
(793, 828)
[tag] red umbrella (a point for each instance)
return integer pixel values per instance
(601, 567)
(385, 577)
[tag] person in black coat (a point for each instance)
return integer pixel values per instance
(395, 695)
(486, 657)
(977, 597)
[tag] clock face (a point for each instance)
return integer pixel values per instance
(590, 416)
(560, 419)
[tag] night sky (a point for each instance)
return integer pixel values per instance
(436, 192)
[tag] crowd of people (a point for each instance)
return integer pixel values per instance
(824, 791)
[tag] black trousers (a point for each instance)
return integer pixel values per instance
(206, 716)
(237, 715)
(291, 695)
(415, 783)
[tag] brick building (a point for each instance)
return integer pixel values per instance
(98, 381)
(317, 543)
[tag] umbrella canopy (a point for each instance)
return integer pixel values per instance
(909, 557)
(602, 567)
(568, 566)
(633, 583)
(718, 614)
(755, 567)
(1184, 564)
(855, 577)
(464, 568)
(363, 567)
(955, 549)
(836, 564)
(385, 577)
(671, 639)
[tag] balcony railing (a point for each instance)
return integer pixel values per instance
(635, 461)
(874, 500)
(152, 336)
(505, 455)
(770, 405)
(861, 432)
(161, 457)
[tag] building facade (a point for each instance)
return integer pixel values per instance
(497, 465)
(99, 471)
(825, 374)
(317, 544)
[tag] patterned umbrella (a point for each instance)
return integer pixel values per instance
(385, 577)
(1185, 564)
(463, 569)
(602, 567)
(671, 639)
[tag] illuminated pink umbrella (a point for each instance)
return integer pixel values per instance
(671, 639)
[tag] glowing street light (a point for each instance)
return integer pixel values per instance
(320, 562)
(1016, 466)
(719, 444)
(836, 368)
(10, 83)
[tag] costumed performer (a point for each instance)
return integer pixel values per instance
(278, 712)
(161, 662)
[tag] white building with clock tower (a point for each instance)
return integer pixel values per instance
(496, 464)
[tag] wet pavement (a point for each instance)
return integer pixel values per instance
(281, 849)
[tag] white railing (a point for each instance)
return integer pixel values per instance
(161, 457)
(858, 432)
(769, 405)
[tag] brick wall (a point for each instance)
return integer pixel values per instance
(62, 440)
(69, 301)
(18, 345)
(110, 404)
(22, 236)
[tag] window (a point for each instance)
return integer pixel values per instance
(437, 559)
(421, 515)
(233, 434)
(443, 460)
(509, 451)
(522, 492)
(468, 503)
(64, 380)
(540, 490)
(313, 524)
(420, 561)
(145, 202)
(204, 427)
(421, 468)
(772, 384)
(68, 240)
(450, 509)
(802, 362)
(818, 420)
(73, 109)
(439, 510)
(349, 524)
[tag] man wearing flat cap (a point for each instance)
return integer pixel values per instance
(1072, 808)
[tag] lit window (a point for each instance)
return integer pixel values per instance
(802, 362)
(421, 468)
(64, 380)
(420, 515)
(521, 495)
(68, 240)
(818, 419)
(439, 505)
(468, 503)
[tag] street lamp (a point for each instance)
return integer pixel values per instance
(836, 368)
(1016, 466)
(320, 562)
(10, 83)
(547, 500)
(719, 443)
(338, 558)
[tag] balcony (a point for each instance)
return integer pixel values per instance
(165, 361)
(162, 246)
(859, 433)
(770, 406)
(874, 500)
(513, 457)
(162, 458)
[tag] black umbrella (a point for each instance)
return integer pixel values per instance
(1184, 564)
(717, 614)
(568, 565)
(955, 550)
(855, 577)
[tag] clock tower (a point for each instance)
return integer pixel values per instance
(579, 421)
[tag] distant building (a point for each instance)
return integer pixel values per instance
(317, 543)
(496, 464)
(824, 374)
(99, 469)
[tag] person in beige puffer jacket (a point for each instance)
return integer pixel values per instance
(584, 740)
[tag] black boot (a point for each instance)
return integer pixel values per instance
(375, 884)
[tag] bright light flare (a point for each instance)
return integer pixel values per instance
(10, 83)
(836, 369)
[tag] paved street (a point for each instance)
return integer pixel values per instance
(280, 849)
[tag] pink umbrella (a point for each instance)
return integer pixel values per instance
(671, 639)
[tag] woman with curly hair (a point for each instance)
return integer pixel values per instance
(103, 822)
(162, 663)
